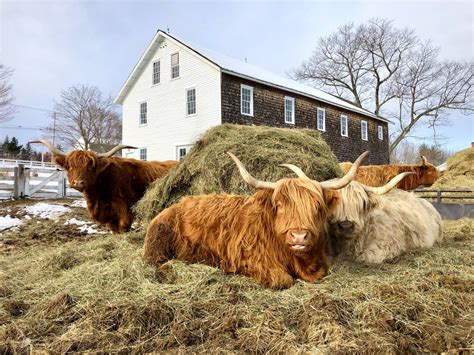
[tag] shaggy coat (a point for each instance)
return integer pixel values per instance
(111, 186)
(372, 229)
(248, 234)
(378, 175)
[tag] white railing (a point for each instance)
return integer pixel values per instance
(26, 163)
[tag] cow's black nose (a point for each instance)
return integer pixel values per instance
(346, 226)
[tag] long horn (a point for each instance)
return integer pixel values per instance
(296, 170)
(51, 147)
(423, 160)
(336, 184)
(115, 150)
(249, 179)
(388, 186)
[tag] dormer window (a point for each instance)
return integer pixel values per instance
(174, 65)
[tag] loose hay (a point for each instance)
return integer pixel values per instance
(459, 172)
(207, 168)
(97, 295)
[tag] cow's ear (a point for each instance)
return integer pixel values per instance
(332, 198)
(102, 165)
(60, 160)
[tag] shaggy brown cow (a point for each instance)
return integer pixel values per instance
(274, 236)
(111, 185)
(378, 175)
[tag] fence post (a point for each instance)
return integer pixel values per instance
(27, 181)
(438, 196)
(19, 181)
(61, 185)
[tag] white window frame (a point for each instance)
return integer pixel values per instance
(380, 132)
(187, 102)
(346, 125)
(318, 110)
(140, 151)
(362, 131)
(292, 100)
(140, 113)
(187, 147)
(242, 88)
(174, 66)
(153, 72)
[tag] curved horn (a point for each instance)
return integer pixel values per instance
(115, 150)
(388, 186)
(423, 160)
(296, 170)
(249, 179)
(336, 184)
(51, 147)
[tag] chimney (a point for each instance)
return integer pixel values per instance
(472, 144)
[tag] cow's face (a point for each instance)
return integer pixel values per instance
(348, 218)
(301, 208)
(82, 167)
(428, 174)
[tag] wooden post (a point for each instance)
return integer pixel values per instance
(438, 196)
(27, 181)
(61, 185)
(19, 181)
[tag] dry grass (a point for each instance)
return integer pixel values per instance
(97, 295)
(207, 168)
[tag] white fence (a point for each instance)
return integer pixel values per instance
(26, 163)
(19, 180)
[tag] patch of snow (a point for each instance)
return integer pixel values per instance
(84, 226)
(79, 203)
(9, 222)
(47, 211)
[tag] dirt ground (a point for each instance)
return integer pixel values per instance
(62, 290)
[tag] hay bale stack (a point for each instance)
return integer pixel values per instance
(207, 168)
(459, 172)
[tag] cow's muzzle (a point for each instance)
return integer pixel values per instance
(345, 227)
(77, 184)
(298, 239)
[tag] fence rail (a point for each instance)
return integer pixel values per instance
(440, 194)
(30, 163)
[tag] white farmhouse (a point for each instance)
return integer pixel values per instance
(176, 92)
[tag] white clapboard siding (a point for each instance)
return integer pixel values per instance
(168, 125)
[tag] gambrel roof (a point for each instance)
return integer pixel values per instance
(241, 69)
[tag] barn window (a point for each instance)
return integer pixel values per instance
(246, 100)
(174, 65)
(191, 101)
(142, 153)
(363, 130)
(289, 110)
(156, 72)
(321, 119)
(344, 126)
(380, 132)
(143, 113)
(181, 151)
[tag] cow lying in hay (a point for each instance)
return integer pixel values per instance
(274, 236)
(425, 174)
(111, 185)
(370, 228)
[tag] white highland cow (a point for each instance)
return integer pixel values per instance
(370, 228)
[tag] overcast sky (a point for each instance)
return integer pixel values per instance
(52, 45)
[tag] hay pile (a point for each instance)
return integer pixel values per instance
(207, 168)
(459, 172)
(97, 295)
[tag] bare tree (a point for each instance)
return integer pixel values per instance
(388, 71)
(86, 119)
(6, 96)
